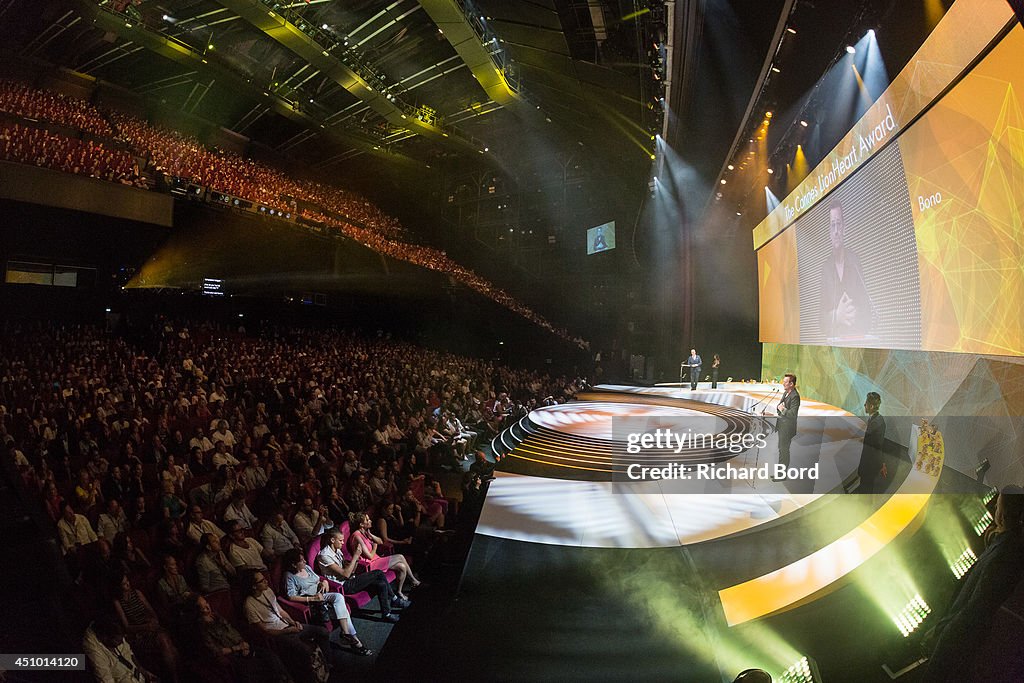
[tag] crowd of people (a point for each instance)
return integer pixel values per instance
(183, 156)
(187, 485)
(39, 147)
(25, 101)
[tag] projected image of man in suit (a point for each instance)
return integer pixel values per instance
(846, 309)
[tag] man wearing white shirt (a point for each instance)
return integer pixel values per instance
(221, 456)
(245, 552)
(223, 434)
(110, 657)
(200, 441)
(74, 530)
(277, 537)
(309, 522)
(196, 526)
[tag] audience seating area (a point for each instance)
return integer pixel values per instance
(135, 457)
(185, 157)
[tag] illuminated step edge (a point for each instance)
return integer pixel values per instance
(798, 582)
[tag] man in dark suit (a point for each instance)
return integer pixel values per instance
(872, 470)
(788, 410)
(694, 362)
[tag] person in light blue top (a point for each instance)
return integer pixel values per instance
(303, 585)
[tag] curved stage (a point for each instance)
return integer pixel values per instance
(563, 481)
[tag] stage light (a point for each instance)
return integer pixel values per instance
(209, 46)
(723, 181)
(803, 123)
(487, 149)
(803, 671)
(960, 565)
(730, 167)
(241, 315)
(775, 69)
(770, 171)
(324, 26)
(911, 616)
(653, 157)
(870, 33)
(739, 213)
(108, 310)
(790, 29)
(983, 523)
(767, 114)
(851, 49)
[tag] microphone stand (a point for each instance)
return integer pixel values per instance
(762, 421)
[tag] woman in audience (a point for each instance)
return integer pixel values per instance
(131, 559)
(369, 543)
(303, 585)
(142, 626)
(173, 507)
(172, 588)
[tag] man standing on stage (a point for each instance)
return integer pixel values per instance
(694, 363)
(872, 470)
(788, 409)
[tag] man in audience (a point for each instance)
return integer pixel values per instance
(310, 522)
(238, 511)
(196, 525)
(74, 530)
(277, 537)
(244, 552)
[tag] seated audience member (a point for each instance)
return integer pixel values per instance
(74, 530)
(221, 640)
(332, 564)
(959, 635)
(304, 586)
(170, 540)
(391, 527)
(171, 504)
(132, 560)
(112, 522)
(172, 589)
(214, 570)
(239, 511)
(244, 553)
(482, 467)
(53, 500)
(196, 525)
(277, 537)
(254, 476)
(287, 636)
(222, 456)
(142, 626)
(369, 542)
(110, 657)
(310, 522)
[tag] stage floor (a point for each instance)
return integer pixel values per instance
(559, 486)
(575, 573)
